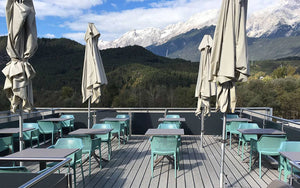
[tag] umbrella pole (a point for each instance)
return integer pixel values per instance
(223, 151)
(89, 113)
(21, 130)
(202, 128)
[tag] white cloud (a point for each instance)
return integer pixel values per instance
(49, 35)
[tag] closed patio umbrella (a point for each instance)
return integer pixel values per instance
(93, 75)
(229, 59)
(21, 45)
(204, 88)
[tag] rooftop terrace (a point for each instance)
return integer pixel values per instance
(199, 167)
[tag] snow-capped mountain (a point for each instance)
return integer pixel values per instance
(150, 36)
(283, 18)
(268, 21)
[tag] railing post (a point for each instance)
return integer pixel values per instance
(94, 118)
(166, 111)
(130, 123)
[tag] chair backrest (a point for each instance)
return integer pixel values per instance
(172, 116)
(35, 132)
(164, 143)
(122, 116)
(270, 142)
(47, 127)
(290, 146)
(232, 116)
(68, 123)
(167, 126)
(102, 126)
(6, 143)
(248, 126)
(67, 116)
(70, 143)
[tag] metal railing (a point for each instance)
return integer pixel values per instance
(264, 117)
(47, 173)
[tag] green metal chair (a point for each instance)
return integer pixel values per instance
(89, 147)
(48, 127)
(104, 137)
(245, 138)
(117, 129)
(172, 116)
(70, 143)
(228, 116)
(13, 169)
(178, 123)
(233, 129)
(125, 124)
(172, 126)
(68, 123)
(162, 146)
(284, 163)
(32, 134)
(266, 145)
(7, 143)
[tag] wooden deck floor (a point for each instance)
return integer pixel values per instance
(199, 167)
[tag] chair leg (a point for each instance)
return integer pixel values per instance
(259, 164)
(250, 160)
(175, 167)
(152, 164)
(243, 144)
(82, 173)
(90, 157)
(109, 149)
(230, 140)
(74, 175)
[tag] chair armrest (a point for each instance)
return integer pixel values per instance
(51, 147)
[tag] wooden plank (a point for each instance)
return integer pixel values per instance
(129, 166)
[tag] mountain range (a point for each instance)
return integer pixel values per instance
(274, 27)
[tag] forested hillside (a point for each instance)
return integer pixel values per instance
(138, 78)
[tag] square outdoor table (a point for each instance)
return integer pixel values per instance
(237, 120)
(41, 155)
(13, 130)
(55, 120)
(292, 156)
(172, 119)
(260, 132)
(164, 132)
(114, 119)
(90, 132)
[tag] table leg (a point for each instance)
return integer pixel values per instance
(42, 165)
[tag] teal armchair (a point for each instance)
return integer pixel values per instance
(228, 124)
(125, 124)
(117, 129)
(48, 127)
(70, 143)
(162, 146)
(89, 147)
(7, 143)
(69, 123)
(266, 145)
(178, 123)
(32, 134)
(104, 137)
(284, 163)
(245, 138)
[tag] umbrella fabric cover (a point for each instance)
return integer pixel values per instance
(21, 45)
(93, 71)
(204, 88)
(229, 55)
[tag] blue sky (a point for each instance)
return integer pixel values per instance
(69, 18)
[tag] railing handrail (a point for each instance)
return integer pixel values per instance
(46, 173)
(270, 116)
